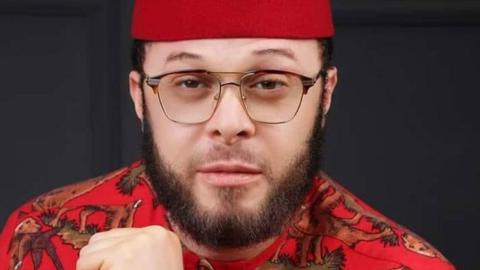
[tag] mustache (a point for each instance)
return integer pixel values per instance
(234, 153)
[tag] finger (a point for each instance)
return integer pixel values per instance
(100, 244)
(93, 261)
(118, 232)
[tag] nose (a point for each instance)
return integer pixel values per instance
(230, 122)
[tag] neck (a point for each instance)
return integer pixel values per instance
(221, 253)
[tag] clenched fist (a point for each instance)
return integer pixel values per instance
(148, 248)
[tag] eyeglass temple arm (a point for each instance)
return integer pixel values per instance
(152, 81)
(322, 73)
(309, 82)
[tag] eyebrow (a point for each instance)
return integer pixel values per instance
(178, 56)
(277, 51)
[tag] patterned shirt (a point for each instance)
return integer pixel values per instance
(331, 230)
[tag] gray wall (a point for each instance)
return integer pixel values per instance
(403, 131)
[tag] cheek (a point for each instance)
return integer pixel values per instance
(304, 121)
(282, 144)
(290, 139)
(174, 142)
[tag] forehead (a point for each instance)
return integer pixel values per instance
(234, 54)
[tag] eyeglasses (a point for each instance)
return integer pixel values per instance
(268, 96)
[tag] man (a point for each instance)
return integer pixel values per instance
(232, 97)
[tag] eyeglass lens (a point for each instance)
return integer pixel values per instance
(267, 96)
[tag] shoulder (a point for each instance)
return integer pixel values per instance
(342, 220)
(109, 189)
(61, 221)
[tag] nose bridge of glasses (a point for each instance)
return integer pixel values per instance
(224, 86)
(229, 83)
(229, 77)
(230, 102)
(226, 79)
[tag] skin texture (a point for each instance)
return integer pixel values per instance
(185, 147)
(129, 248)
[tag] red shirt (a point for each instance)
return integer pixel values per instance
(332, 230)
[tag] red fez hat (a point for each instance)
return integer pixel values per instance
(169, 20)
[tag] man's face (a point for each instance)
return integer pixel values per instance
(230, 170)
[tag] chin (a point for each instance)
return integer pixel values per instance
(228, 201)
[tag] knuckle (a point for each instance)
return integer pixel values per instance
(161, 234)
(157, 231)
(97, 236)
(173, 237)
(123, 248)
(142, 237)
(93, 238)
(83, 251)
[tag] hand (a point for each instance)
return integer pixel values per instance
(148, 248)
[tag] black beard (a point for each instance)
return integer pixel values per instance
(234, 229)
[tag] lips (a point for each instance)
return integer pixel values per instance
(229, 174)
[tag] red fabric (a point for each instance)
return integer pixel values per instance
(189, 19)
(332, 230)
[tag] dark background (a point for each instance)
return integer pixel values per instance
(403, 132)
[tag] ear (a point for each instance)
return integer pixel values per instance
(136, 93)
(331, 82)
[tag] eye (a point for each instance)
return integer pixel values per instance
(190, 81)
(191, 84)
(269, 85)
